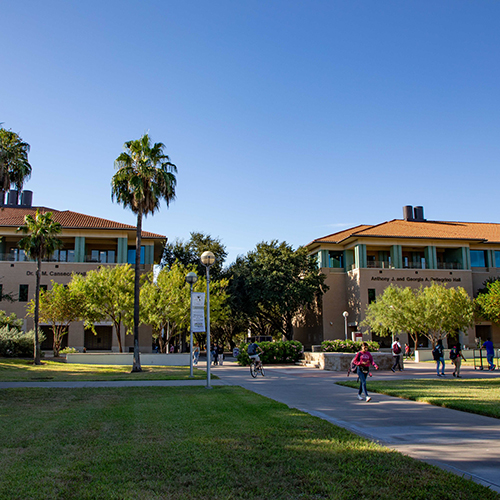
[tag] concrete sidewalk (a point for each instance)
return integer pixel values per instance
(463, 443)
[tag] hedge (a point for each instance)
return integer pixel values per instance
(347, 346)
(289, 351)
(16, 344)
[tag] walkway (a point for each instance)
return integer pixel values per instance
(463, 443)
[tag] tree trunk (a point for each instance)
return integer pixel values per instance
(119, 334)
(137, 362)
(37, 355)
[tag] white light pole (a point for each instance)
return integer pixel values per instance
(345, 314)
(191, 278)
(207, 259)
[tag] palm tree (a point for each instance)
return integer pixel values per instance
(14, 166)
(40, 243)
(144, 177)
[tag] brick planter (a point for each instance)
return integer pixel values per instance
(340, 361)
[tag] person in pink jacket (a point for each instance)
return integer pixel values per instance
(363, 360)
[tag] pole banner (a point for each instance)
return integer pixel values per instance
(198, 312)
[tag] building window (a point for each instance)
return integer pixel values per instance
(371, 295)
(23, 293)
(44, 287)
(103, 256)
(477, 258)
(336, 259)
(63, 256)
(497, 258)
(131, 255)
(1, 291)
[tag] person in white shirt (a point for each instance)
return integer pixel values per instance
(396, 354)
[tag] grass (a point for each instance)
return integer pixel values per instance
(24, 370)
(192, 443)
(481, 396)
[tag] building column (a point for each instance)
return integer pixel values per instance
(122, 251)
(149, 254)
(360, 260)
(397, 256)
(348, 259)
(430, 257)
(490, 258)
(80, 249)
(465, 257)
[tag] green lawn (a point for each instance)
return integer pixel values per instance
(480, 396)
(56, 371)
(194, 443)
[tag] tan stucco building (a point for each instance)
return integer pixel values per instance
(89, 243)
(362, 261)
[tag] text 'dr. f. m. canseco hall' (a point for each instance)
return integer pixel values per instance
(362, 261)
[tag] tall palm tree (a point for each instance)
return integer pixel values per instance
(14, 166)
(40, 243)
(144, 177)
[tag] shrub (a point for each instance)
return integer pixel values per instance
(347, 346)
(69, 350)
(16, 344)
(289, 351)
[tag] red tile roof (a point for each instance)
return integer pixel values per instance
(14, 217)
(472, 231)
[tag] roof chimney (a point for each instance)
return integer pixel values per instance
(408, 212)
(419, 214)
(27, 199)
(12, 198)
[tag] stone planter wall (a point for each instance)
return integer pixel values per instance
(340, 361)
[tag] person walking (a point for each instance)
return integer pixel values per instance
(220, 354)
(456, 357)
(363, 360)
(490, 353)
(396, 354)
(407, 352)
(438, 355)
(196, 354)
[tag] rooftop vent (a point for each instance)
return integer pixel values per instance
(27, 199)
(408, 212)
(418, 214)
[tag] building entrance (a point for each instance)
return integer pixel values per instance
(101, 341)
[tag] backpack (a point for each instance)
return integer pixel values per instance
(454, 353)
(252, 349)
(352, 367)
(396, 349)
(436, 354)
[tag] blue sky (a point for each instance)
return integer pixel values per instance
(287, 120)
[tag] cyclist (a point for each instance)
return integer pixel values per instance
(253, 352)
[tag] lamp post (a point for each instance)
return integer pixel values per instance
(207, 259)
(345, 314)
(191, 278)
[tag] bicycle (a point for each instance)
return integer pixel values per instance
(255, 370)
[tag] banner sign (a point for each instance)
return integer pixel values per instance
(198, 312)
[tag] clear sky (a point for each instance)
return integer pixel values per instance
(287, 120)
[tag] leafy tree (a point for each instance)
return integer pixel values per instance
(108, 295)
(14, 166)
(144, 177)
(189, 252)
(434, 311)
(59, 307)
(40, 243)
(487, 303)
(272, 283)
(166, 302)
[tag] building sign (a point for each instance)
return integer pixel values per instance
(56, 273)
(198, 312)
(419, 279)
